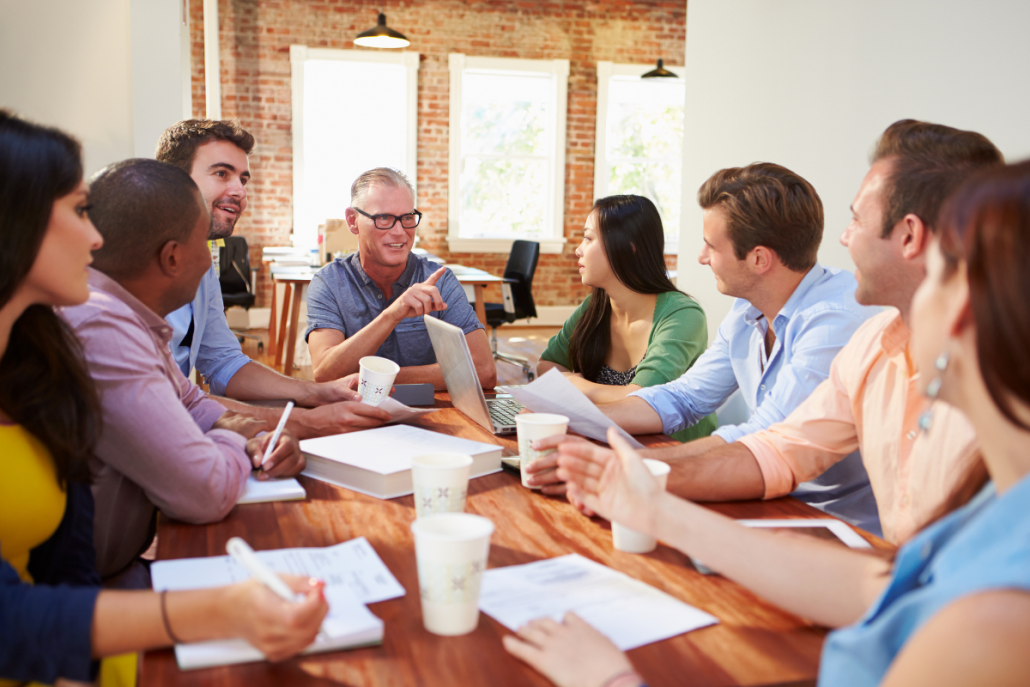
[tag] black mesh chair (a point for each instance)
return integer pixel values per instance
(518, 299)
(235, 281)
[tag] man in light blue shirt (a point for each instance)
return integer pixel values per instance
(215, 155)
(762, 228)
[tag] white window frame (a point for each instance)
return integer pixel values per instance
(300, 54)
(458, 63)
(606, 70)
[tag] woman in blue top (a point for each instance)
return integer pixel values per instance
(954, 606)
(54, 618)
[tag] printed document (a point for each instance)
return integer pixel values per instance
(627, 611)
(353, 564)
(552, 393)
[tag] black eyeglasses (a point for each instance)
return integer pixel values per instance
(384, 221)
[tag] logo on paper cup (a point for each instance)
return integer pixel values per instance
(444, 583)
(429, 500)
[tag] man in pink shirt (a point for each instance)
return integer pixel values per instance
(164, 444)
(870, 400)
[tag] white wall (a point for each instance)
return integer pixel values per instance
(811, 84)
(109, 72)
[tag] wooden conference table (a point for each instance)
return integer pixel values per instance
(754, 643)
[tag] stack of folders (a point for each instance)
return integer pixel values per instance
(377, 462)
(354, 576)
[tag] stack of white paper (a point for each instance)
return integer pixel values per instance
(627, 611)
(354, 576)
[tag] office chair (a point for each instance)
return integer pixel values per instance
(518, 299)
(235, 280)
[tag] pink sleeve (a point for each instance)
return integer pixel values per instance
(148, 434)
(820, 432)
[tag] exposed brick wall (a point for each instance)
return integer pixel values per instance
(255, 39)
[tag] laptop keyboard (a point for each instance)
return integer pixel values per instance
(504, 410)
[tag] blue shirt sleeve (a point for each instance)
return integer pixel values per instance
(220, 355)
(700, 390)
(459, 311)
(821, 336)
(323, 310)
(45, 628)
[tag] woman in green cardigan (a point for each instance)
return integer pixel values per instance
(635, 329)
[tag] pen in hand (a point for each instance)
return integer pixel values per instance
(244, 555)
(276, 434)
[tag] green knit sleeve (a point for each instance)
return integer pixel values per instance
(679, 335)
(557, 350)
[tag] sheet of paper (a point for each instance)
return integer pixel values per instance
(400, 412)
(353, 565)
(263, 491)
(552, 393)
(349, 623)
(627, 611)
(390, 449)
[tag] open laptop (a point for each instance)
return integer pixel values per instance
(452, 352)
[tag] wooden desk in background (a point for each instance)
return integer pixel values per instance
(479, 282)
(287, 329)
(754, 644)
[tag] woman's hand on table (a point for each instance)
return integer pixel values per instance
(570, 653)
(616, 484)
(275, 627)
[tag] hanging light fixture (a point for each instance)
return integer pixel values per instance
(661, 71)
(381, 36)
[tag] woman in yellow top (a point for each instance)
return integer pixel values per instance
(54, 619)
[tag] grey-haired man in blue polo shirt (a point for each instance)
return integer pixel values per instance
(372, 302)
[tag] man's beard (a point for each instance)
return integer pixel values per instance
(221, 230)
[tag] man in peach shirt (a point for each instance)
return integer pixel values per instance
(870, 400)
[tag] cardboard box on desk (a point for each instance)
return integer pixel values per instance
(377, 462)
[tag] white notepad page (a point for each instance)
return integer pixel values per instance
(265, 490)
(353, 564)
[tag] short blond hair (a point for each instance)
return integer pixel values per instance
(380, 175)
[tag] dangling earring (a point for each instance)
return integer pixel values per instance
(933, 389)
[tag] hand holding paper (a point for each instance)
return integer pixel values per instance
(553, 393)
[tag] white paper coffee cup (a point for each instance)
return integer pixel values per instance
(632, 541)
(441, 483)
(533, 426)
(451, 551)
(375, 378)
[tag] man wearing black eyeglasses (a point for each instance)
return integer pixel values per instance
(372, 302)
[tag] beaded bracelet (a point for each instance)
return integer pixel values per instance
(164, 619)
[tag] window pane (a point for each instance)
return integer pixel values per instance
(659, 181)
(504, 198)
(505, 114)
(355, 118)
(507, 142)
(644, 144)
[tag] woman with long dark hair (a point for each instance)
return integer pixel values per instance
(54, 618)
(635, 329)
(953, 607)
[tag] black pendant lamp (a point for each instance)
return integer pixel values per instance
(381, 36)
(661, 71)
